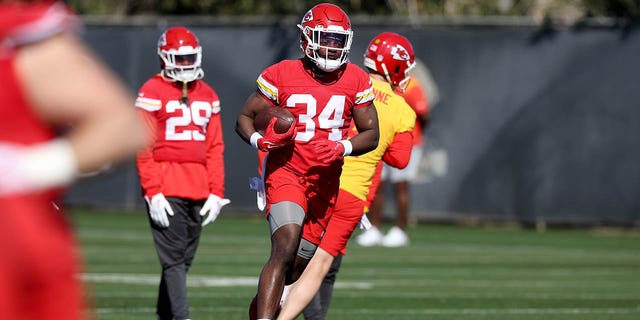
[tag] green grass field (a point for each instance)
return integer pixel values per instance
(448, 272)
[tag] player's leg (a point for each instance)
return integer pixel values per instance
(401, 189)
(285, 222)
(304, 290)
(194, 230)
(163, 303)
(373, 236)
(171, 244)
(346, 216)
(375, 211)
(397, 237)
(326, 289)
(314, 308)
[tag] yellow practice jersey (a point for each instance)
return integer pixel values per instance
(394, 116)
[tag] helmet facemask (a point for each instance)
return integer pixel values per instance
(328, 47)
(404, 82)
(183, 64)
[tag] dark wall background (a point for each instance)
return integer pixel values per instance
(531, 125)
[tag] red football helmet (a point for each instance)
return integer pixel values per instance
(391, 55)
(181, 55)
(326, 36)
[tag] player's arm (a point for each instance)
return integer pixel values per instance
(244, 123)
(366, 121)
(398, 152)
(148, 169)
(247, 131)
(215, 168)
(69, 86)
(215, 153)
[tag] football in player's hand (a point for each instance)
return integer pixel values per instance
(284, 119)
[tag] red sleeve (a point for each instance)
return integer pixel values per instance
(148, 169)
(399, 151)
(26, 23)
(364, 94)
(215, 155)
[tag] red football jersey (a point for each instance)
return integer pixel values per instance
(323, 111)
(186, 160)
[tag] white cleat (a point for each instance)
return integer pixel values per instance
(396, 237)
(370, 238)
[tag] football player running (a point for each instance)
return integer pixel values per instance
(388, 58)
(326, 94)
(182, 172)
(62, 112)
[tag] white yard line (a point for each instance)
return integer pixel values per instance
(197, 281)
(417, 312)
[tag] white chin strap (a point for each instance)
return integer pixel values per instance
(185, 75)
(328, 65)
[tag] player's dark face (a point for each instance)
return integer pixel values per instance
(185, 59)
(330, 40)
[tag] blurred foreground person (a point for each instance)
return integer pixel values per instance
(388, 59)
(62, 112)
(401, 178)
(182, 172)
(325, 93)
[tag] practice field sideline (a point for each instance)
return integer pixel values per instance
(448, 272)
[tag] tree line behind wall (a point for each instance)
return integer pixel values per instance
(568, 9)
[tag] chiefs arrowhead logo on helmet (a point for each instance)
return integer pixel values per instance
(307, 17)
(163, 40)
(391, 55)
(400, 53)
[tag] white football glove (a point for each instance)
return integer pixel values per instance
(212, 206)
(159, 207)
(257, 184)
(35, 167)
(364, 224)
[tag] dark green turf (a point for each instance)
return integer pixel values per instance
(448, 272)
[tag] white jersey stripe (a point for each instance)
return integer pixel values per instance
(269, 90)
(148, 104)
(365, 96)
(215, 107)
